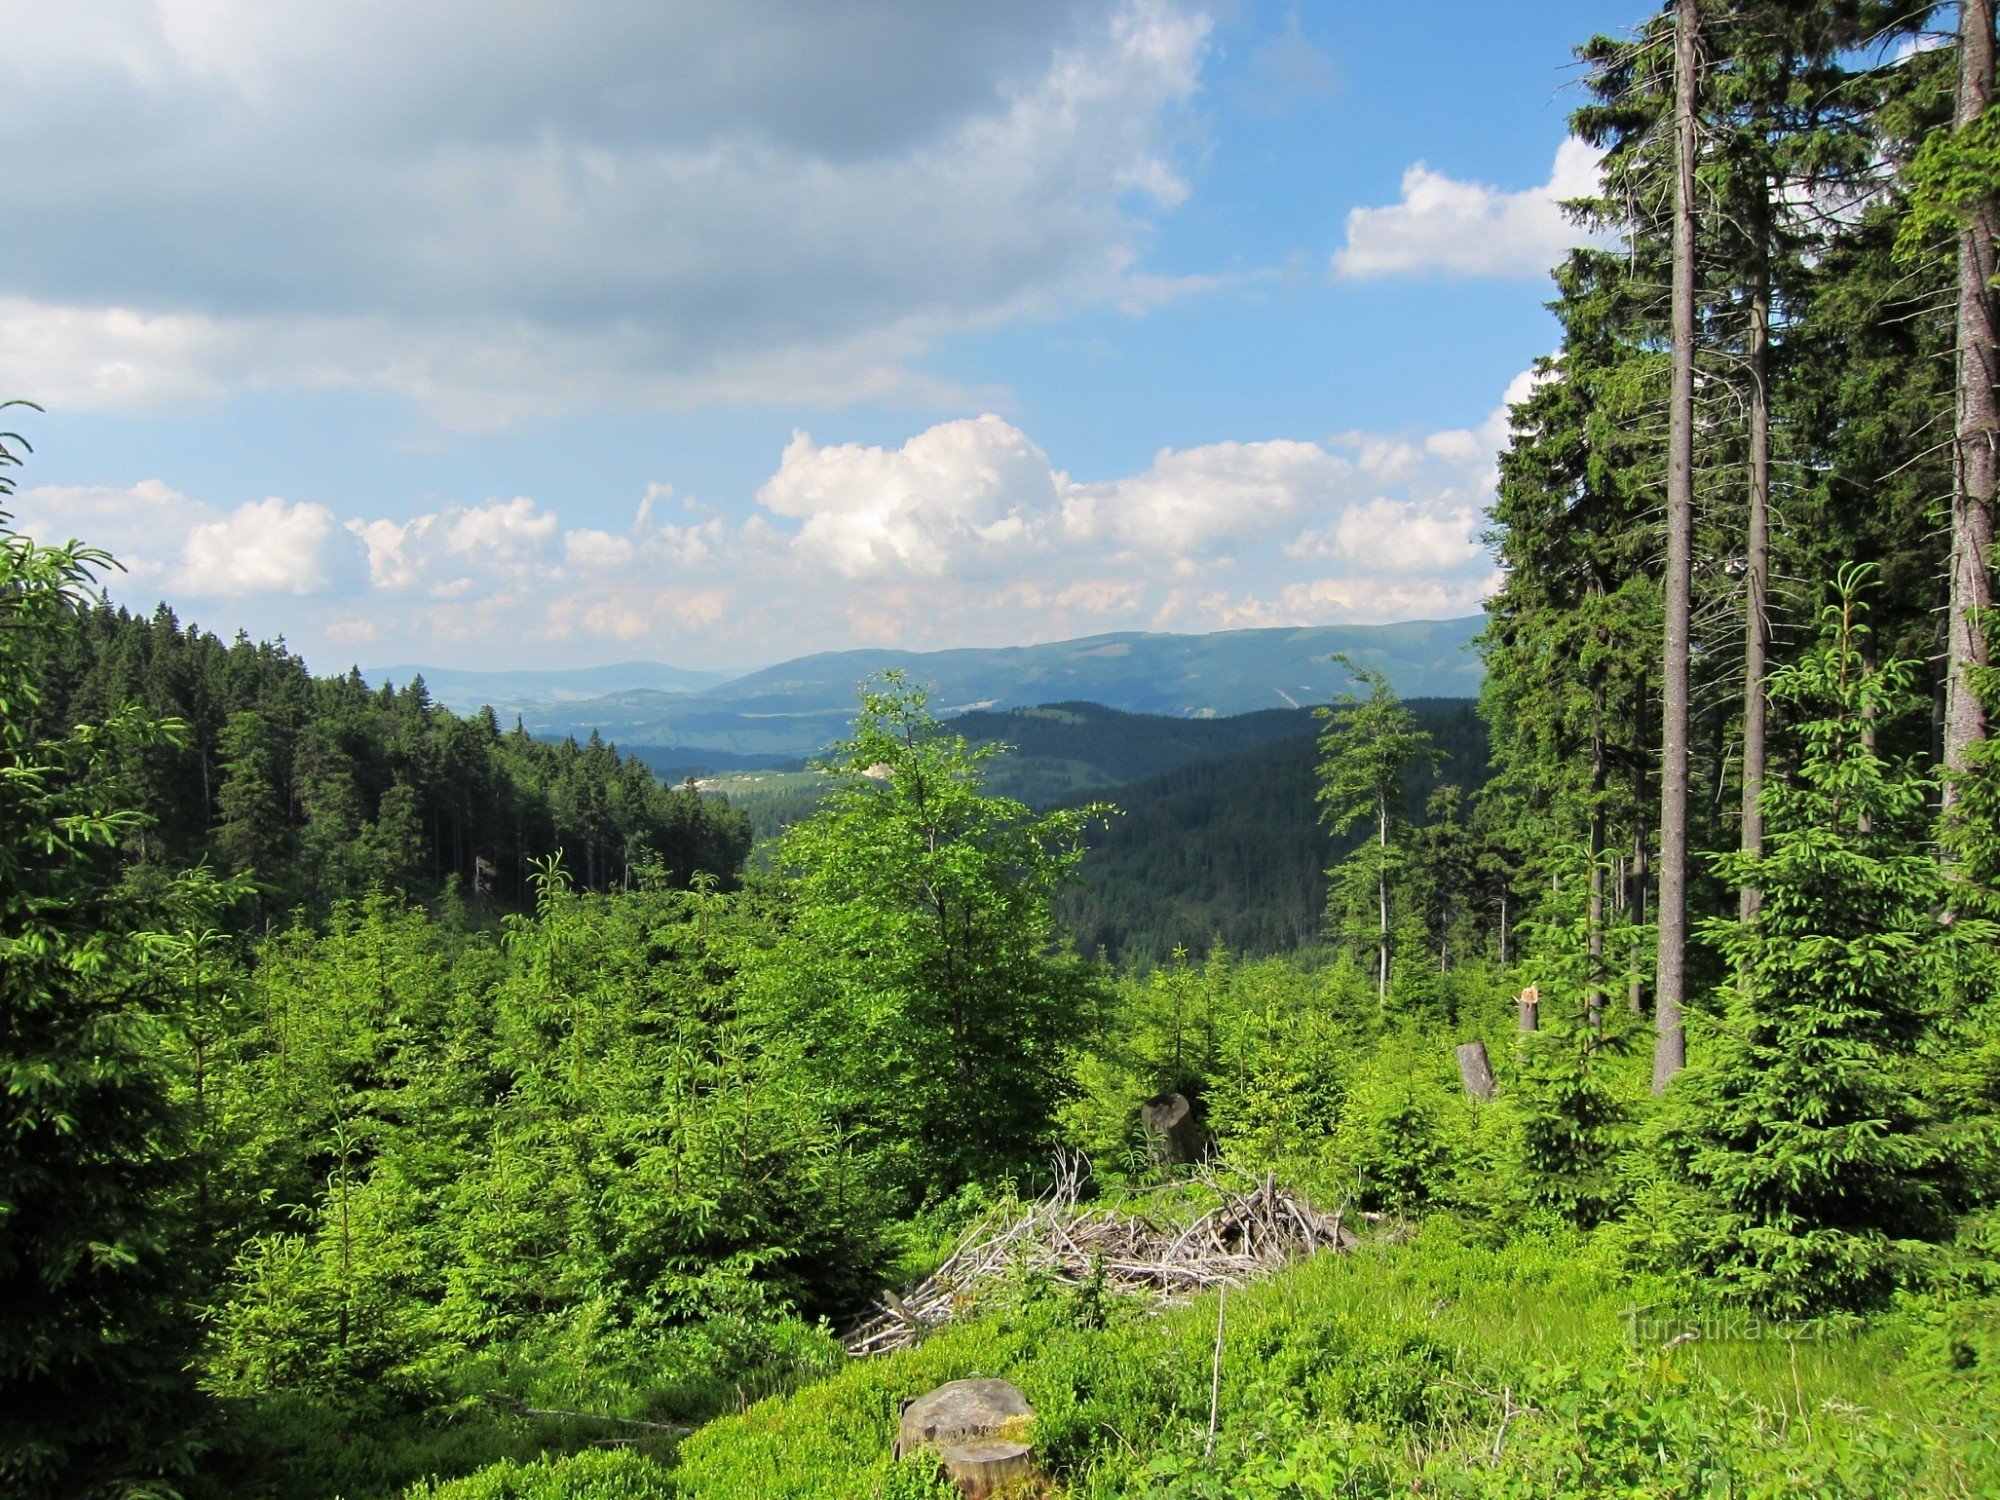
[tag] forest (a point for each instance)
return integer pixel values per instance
(399, 1106)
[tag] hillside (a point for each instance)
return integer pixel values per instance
(1230, 849)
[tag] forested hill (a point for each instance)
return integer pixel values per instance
(321, 788)
(1218, 837)
(1230, 850)
(1055, 749)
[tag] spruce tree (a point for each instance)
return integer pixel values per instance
(1803, 1134)
(1367, 746)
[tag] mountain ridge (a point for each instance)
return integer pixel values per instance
(795, 707)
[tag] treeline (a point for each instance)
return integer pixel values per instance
(321, 789)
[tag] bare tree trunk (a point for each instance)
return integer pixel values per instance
(1594, 938)
(1670, 981)
(1382, 897)
(1862, 822)
(1757, 584)
(1978, 420)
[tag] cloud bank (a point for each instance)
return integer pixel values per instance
(966, 533)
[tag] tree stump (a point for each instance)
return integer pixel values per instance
(1474, 1071)
(977, 1429)
(991, 1467)
(1171, 1131)
(1531, 999)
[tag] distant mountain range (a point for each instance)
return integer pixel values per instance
(795, 708)
(516, 692)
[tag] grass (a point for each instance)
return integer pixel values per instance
(1443, 1365)
(1438, 1366)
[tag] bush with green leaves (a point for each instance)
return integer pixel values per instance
(617, 1474)
(1407, 1135)
(1570, 1099)
(559, 1172)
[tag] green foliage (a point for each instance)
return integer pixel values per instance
(324, 790)
(1439, 1366)
(1405, 1131)
(1567, 1124)
(1951, 175)
(1569, 1106)
(90, 1147)
(555, 1173)
(1368, 747)
(1230, 851)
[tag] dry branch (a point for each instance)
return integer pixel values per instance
(1247, 1235)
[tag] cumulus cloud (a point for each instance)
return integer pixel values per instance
(1394, 536)
(1459, 228)
(967, 532)
(961, 495)
(267, 547)
(449, 552)
(492, 212)
(167, 543)
(1211, 497)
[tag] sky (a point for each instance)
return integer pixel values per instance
(566, 332)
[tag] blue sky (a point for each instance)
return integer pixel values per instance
(579, 332)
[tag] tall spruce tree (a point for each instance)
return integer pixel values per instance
(1670, 981)
(1805, 1135)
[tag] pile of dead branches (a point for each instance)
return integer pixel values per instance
(1249, 1233)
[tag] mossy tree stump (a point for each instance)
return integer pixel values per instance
(978, 1430)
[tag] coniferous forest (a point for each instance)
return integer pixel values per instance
(400, 1106)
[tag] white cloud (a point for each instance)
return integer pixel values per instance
(494, 212)
(1462, 228)
(449, 551)
(1360, 600)
(167, 543)
(960, 496)
(1397, 536)
(267, 547)
(1208, 498)
(965, 533)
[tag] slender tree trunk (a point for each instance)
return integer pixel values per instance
(1382, 898)
(1757, 583)
(1594, 939)
(1670, 981)
(1862, 822)
(1978, 420)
